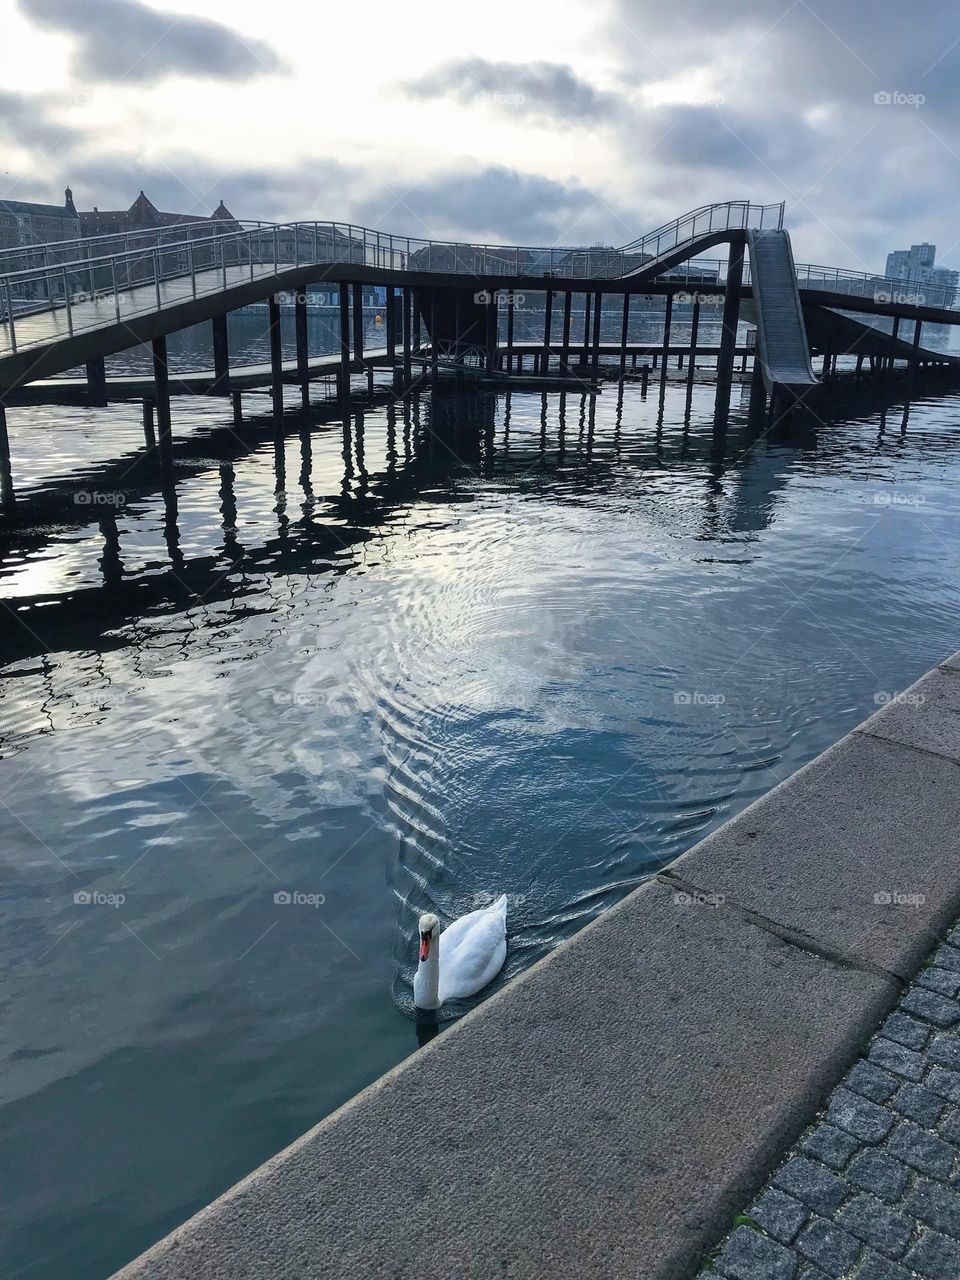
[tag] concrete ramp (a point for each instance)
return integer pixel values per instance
(783, 352)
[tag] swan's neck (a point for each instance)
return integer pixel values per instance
(426, 986)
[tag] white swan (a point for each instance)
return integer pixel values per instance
(461, 960)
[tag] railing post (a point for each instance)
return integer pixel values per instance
(193, 274)
(276, 250)
(66, 299)
(116, 292)
(13, 334)
(156, 275)
(345, 347)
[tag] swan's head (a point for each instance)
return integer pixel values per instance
(429, 926)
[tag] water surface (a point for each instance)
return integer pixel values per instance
(461, 647)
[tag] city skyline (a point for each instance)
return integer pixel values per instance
(594, 127)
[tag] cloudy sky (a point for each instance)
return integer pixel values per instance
(574, 122)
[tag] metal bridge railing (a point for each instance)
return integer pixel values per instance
(731, 215)
(88, 290)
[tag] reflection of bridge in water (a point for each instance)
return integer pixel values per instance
(74, 303)
(441, 444)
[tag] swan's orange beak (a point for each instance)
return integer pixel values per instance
(425, 945)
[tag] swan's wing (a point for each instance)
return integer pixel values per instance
(453, 936)
(472, 951)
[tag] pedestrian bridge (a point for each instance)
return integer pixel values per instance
(75, 302)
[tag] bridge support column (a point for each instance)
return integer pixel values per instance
(731, 318)
(221, 356)
(587, 304)
(510, 320)
(237, 398)
(6, 473)
(407, 367)
(357, 309)
(565, 338)
(491, 330)
(624, 326)
(892, 360)
(303, 350)
(149, 434)
(434, 343)
(161, 385)
(392, 333)
(665, 349)
(597, 317)
(345, 347)
(914, 356)
(692, 355)
(97, 380)
(276, 356)
(547, 329)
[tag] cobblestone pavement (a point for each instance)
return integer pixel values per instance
(872, 1189)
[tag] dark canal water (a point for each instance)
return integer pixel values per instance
(466, 647)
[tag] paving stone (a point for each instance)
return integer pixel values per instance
(750, 1256)
(936, 1205)
(919, 1104)
(949, 1126)
(939, 1010)
(946, 982)
(945, 1082)
(897, 1058)
(829, 1246)
(809, 1272)
(859, 1116)
(874, 1267)
(879, 1173)
(921, 1150)
(906, 1030)
(811, 1184)
(868, 1079)
(935, 1256)
(948, 957)
(945, 1051)
(832, 1146)
(885, 1229)
(780, 1215)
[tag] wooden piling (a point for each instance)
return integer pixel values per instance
(221, 355)
(276, 355)
(303, 352)
(161, 387)
(345, 346)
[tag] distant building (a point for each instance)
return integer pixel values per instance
(24, 224)
(143, 215)
(916, 266)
